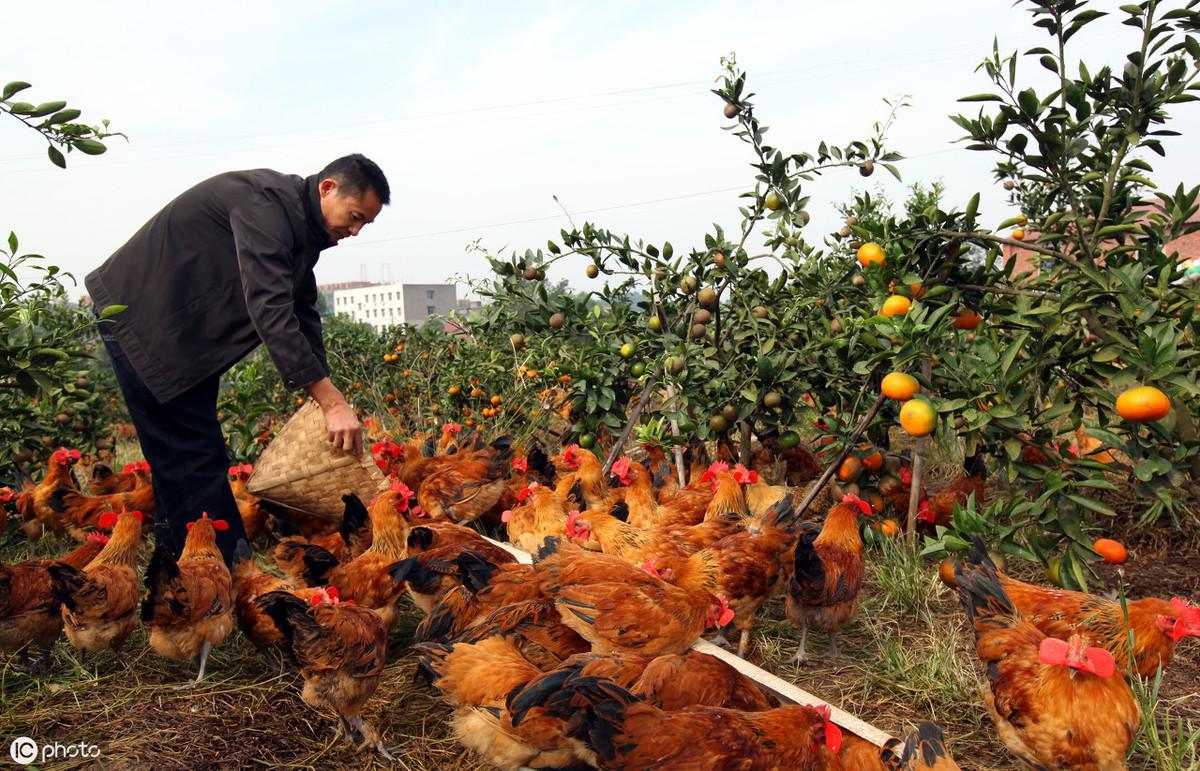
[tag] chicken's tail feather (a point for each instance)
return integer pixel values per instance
(65, 583)
(594, 708)
(161, 576)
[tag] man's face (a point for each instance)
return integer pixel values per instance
(344, 212)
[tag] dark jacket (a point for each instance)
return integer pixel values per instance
(226, 265)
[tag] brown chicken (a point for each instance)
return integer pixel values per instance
(635, 545)
(1056, 704)
(430, 574)
(29, 611)
(799, 465)
(618, 607)
(465, 490)
(80, 512)
(628, 733)
(189, 603)
(99, 601)
(711, 496)
(33, 501)
(662, 470)
(923, 750)
(8, 505)
(295, 556)
(254, 515)
(539, 514)
(581, 483)
(637, 492)
(535, 627)
(828, 573)
(105, 481)
(486, 588)
(745, 567)
(341, 650)
(938, 509)
(249, 583)
(1157, 625)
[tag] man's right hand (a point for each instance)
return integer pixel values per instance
(343, 426)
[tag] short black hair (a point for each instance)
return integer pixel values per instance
(358, 174)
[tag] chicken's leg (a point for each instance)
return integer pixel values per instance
(202, 659)
(720, 640)
(801, 656)
(833, 648)
(744, 642)
(370, 736)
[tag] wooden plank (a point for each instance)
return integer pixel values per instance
(785, 691)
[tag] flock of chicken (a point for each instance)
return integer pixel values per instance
(584, 657)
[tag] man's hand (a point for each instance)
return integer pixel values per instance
(345, 432)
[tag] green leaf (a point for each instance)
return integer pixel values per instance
(46, 108)
(981, 98)
(64, 116)
(13, 88)
(112, 310)
(89, 146)
(56, 156)
(1092, 503)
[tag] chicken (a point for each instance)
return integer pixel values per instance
(675, 681)
(8, 505)
(662, 470)
(616, 606)
(581, 483)
(828, 574)
(249, 583)
(486, 588)
(923, 750)
(189, 603)
(430, 574)
(939, 508)
(435, 535)
(467, 489)
(1056, 704)
(33, 501)
(745, 567)
(713, 495)
(535, 627)
(799, 465)
(1157, 625)
(81, 512)
(296, 559)
(540, 513)
(448, 443)
(637, 492)
(254, 516)
(105, 481)
(527, 469)
(627, 733)
(475, 679)
(635, 545)
(29, 611)
(367, 579)
(341, 649)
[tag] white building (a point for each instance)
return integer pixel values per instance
(386, 305)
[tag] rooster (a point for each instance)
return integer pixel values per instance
(828, 574)
(29, 611)
(581, 483)
(249, 583)
(626, 732)
(81, 512)
(938, 509)
(430, 574)
(296, 559)
(1157, 625)
(540, 513)
(99, 601)
(189, 603)
(341, 650)
(33, 501)
(1056, 704)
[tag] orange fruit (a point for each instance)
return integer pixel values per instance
(967, 319)
(896, 305)
(454, 390)
(946, 573)
(871, 253)
(900, 386)
(495, 400)
(873, 461)
(918, 418)
(890, 528)
(1112, 551)
(1018, 234)
(850, 470)
(1144, 404)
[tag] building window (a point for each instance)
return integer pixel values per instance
(428, 294)
(430, 310)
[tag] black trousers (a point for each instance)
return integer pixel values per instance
(182, 441)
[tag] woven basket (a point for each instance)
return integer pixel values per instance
(301, 470)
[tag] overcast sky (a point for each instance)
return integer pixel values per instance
(480, 112)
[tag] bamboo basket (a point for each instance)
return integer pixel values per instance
(299, 469)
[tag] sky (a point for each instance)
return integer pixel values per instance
(481, 113)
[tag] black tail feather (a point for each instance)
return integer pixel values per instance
(162, 570)
(476, 571)
(65, 582)
(539, 463)
(620, 511)
(58, 499)
(354, 518)
(101, 471)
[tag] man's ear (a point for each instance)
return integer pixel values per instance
(327, 186)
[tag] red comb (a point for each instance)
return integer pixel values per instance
(1188, 623)
(217, 524)
(621, 467)
(132, 467)
(906, 475)
(924, 512)
(137, 514)
(143, 465)
(59, 456)
(526, 491)
(745, 476)
(6, 494)
(854, 500)
(1096, 661)
(73, 454)
(651, 567)
(505, 516)
(520, 463)
(108, 520)
(451, 428)
(833, 734)
(97, 537)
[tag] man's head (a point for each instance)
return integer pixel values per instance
(353, 191)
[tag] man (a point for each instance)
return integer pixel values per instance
(226, 265)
